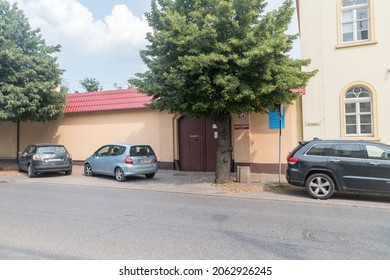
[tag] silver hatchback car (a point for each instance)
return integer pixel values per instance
(122, 160)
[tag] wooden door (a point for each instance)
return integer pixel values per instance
(198, 144)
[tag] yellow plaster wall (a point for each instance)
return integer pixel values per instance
(241, 139)
(7, 140)
(83, 133)
(264, 142)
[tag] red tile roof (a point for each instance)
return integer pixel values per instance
(120, 99)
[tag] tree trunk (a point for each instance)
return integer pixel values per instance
(224, 149)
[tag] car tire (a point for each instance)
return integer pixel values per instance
(30, 171)
(150, 175)
(88, 170)
(120, 175)
(320, 186)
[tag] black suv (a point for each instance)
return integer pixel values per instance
(323, 166)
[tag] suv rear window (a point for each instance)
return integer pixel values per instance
(320, 150)
(301, 144)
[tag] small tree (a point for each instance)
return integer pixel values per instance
(117, 86)
(219, 57)
(65, 86)
(29, 74)
(91, 84)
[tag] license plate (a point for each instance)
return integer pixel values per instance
(53, 159)
(145, 161)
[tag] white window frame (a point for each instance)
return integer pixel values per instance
(357, 100)
(355, 21)
(341, 9)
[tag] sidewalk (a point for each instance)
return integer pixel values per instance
(261, 186)
(165, 180)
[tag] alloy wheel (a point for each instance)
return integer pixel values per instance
(320, 186)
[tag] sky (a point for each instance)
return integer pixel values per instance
(99, 39)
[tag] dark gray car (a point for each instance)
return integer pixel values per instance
(44, 158)
(325, 166)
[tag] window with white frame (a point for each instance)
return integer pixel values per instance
(358, 112)
(355, 21)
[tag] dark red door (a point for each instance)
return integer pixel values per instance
(198, 144)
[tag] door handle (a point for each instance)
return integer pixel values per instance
(375, 163)
(335, 160)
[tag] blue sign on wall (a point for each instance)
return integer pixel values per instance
(274, 119)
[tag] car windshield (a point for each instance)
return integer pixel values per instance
(51, 149)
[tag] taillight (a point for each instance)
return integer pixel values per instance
(36, 157)
(292, 160)
(155, 159)
(68, 156)
(129, 160)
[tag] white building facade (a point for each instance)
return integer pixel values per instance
(348, 42)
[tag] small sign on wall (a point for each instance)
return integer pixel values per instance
(241, 126)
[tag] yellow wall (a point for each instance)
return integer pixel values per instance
(7, 140)
(83, 133)
(259, 145)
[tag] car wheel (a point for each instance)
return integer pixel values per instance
(88, 170)
(30, 171)
(320, 186)
(119, 175)
(150, 175)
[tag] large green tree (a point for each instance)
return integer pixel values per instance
(29, 73)
(219, 57)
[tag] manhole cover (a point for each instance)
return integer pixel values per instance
(325, 236)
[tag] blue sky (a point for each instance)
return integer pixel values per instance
(99, 39)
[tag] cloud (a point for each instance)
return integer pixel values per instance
(67, 22)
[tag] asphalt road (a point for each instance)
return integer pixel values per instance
(69, 221)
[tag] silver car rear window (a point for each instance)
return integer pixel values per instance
(141, 151)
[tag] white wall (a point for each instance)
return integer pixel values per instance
(340, 67)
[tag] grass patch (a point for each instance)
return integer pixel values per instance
(235, 187)
(278, 187)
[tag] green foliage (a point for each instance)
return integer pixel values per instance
(218, 57)
(91, 85)
(29, 74)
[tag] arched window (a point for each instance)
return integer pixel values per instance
(358, 112)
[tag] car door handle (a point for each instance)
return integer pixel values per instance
(375, 163)
(335, 160)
